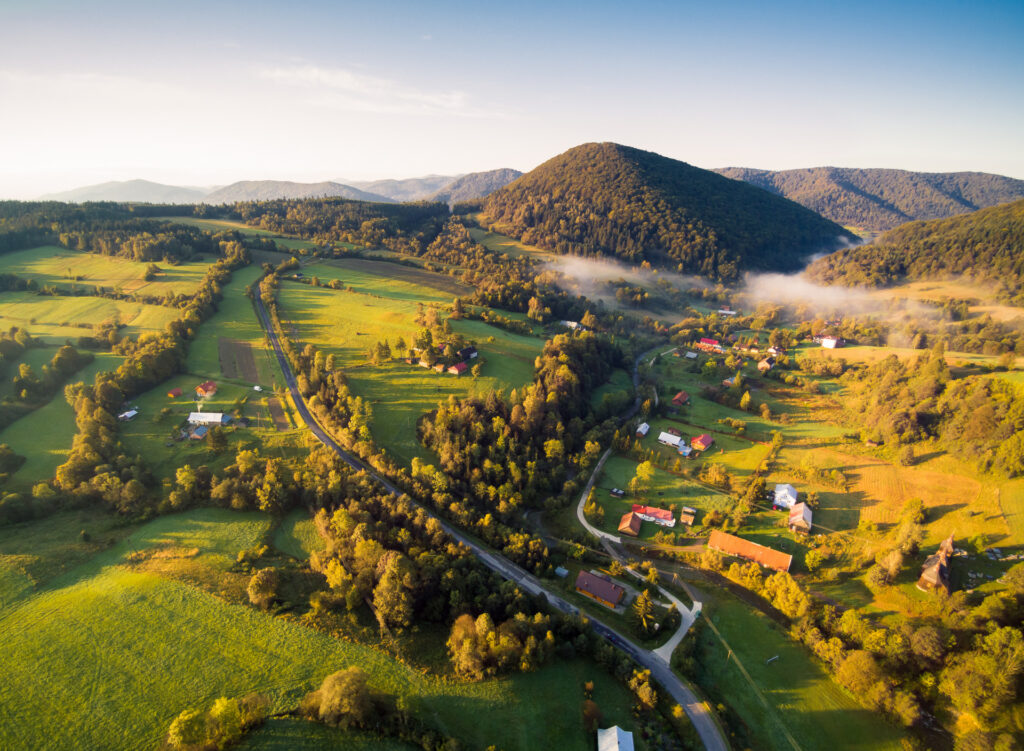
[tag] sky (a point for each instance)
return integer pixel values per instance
(207, 93)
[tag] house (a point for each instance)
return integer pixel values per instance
(832, 342)
(680, 399)
(766, 364)
(673, 431)
(208, 418)
(629, 524)
(935, 571)
(751, 551)
(667, 439)
(685, 450)
(128, 416)
(425, 364)
(614, 739)
(800, 518)
(199, 432)
(776, 351)
(174, 393)
(440, 367)
(691, 355)
(687, 519)
(257, 388)
(642, 429)
(660, 516)
(598, 588)
(458, 368)
(727, 312)
(709, 345)
(702, 442)
(574, 325)
(785, 496)
(467, 353)
(729, 382)
(206, 389)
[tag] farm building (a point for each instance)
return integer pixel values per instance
(467, 353)
(574, 325)
(684, 450)
(206, 389)
(199, 432)
(830, 342)
(458, 368)
(642, 429)
(680, 399)
(785, 496)
(751, 551)
(617, 492)
(598, 588)
(561, 572)
(776, 351)
(660, 516)
(691, 355)
(174, 393)
(630, 524)
(709, 345)
(800, 518)
(667, 439)
(687, 519)
(614, 739)
(729, 382)
(208, 418)
(935, 571)
(766, 364)
(131, 414)
(727, 312)
(425, 364)
(702, 442)
(440, 367)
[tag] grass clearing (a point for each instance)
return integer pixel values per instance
(112, 655)
(801, 697)
(76, 270)
(288, 734)
(57, 319)
(297, 535)
(347, 324)
(44, 436)
(395, 280)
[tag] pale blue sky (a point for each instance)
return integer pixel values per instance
(207, 93)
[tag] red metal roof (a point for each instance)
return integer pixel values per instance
(712, 342)
(657, 513)
(702, 442)
(765, 556)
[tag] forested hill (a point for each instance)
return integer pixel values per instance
(476, 185)
(603, 199)
(273, 190)
(882, 199)
(986, 245)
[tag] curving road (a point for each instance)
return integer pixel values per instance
(697, 710)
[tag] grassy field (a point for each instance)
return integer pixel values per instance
(57, 319)
(960, 289)
(393, 280)
(72, 269)
(504, 244)
(347, 324)
(620, 381)
(44, 436)
(299, 735)
(110, 655)
(796, 704)
(220, 225)
(297, 535)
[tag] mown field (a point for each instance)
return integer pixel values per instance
(71, 269)
(44, 436)
(57, 319)
(796, 705)
(347, 324)
(297, 535)
(109, 654)
(400, 282)
(220, 225)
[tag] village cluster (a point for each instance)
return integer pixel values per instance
(198, 424)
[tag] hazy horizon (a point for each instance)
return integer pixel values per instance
(198, 95)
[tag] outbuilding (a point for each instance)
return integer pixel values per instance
(208, 418)
(614, 739)
(681, 399)
(800, 517)
(785, 496)
(128, 416)
(667, 439)
(174, 393)
(642, 429)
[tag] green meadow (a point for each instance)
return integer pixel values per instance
(299, 735)
(109, 654)
(72, 269)
(347, 324)
(57, 319)
(297, 536)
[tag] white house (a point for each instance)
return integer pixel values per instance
(614, 739)
(668, 439)
(641, 429)
(785, 495)
(208, 418)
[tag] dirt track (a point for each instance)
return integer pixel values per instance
(277, 412)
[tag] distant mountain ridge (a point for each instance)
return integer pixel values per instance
(882, 199)
(604, 199)
(408, 189)
(270, 190)
(138, 191)
(476, 185)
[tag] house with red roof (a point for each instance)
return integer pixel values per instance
(702, 442)
(751, 551)
(598, 588)
(458, 368)
(660, 516)
(206, 389)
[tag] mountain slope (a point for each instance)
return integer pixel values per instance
(410, 189)
(987, 245)
(133, 191)
(272, 190)
(612, 200)
(476, 185)
(881, 199)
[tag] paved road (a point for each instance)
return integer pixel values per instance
(697, 710)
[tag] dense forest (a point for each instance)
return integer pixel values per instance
(882, 199)
(603, 199)
(987, 246)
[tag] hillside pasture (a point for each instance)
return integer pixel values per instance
(395, 280)
(347, 324)
(77, 270)
(57, 319)
(82, 651)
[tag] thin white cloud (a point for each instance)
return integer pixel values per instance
(341, 89)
